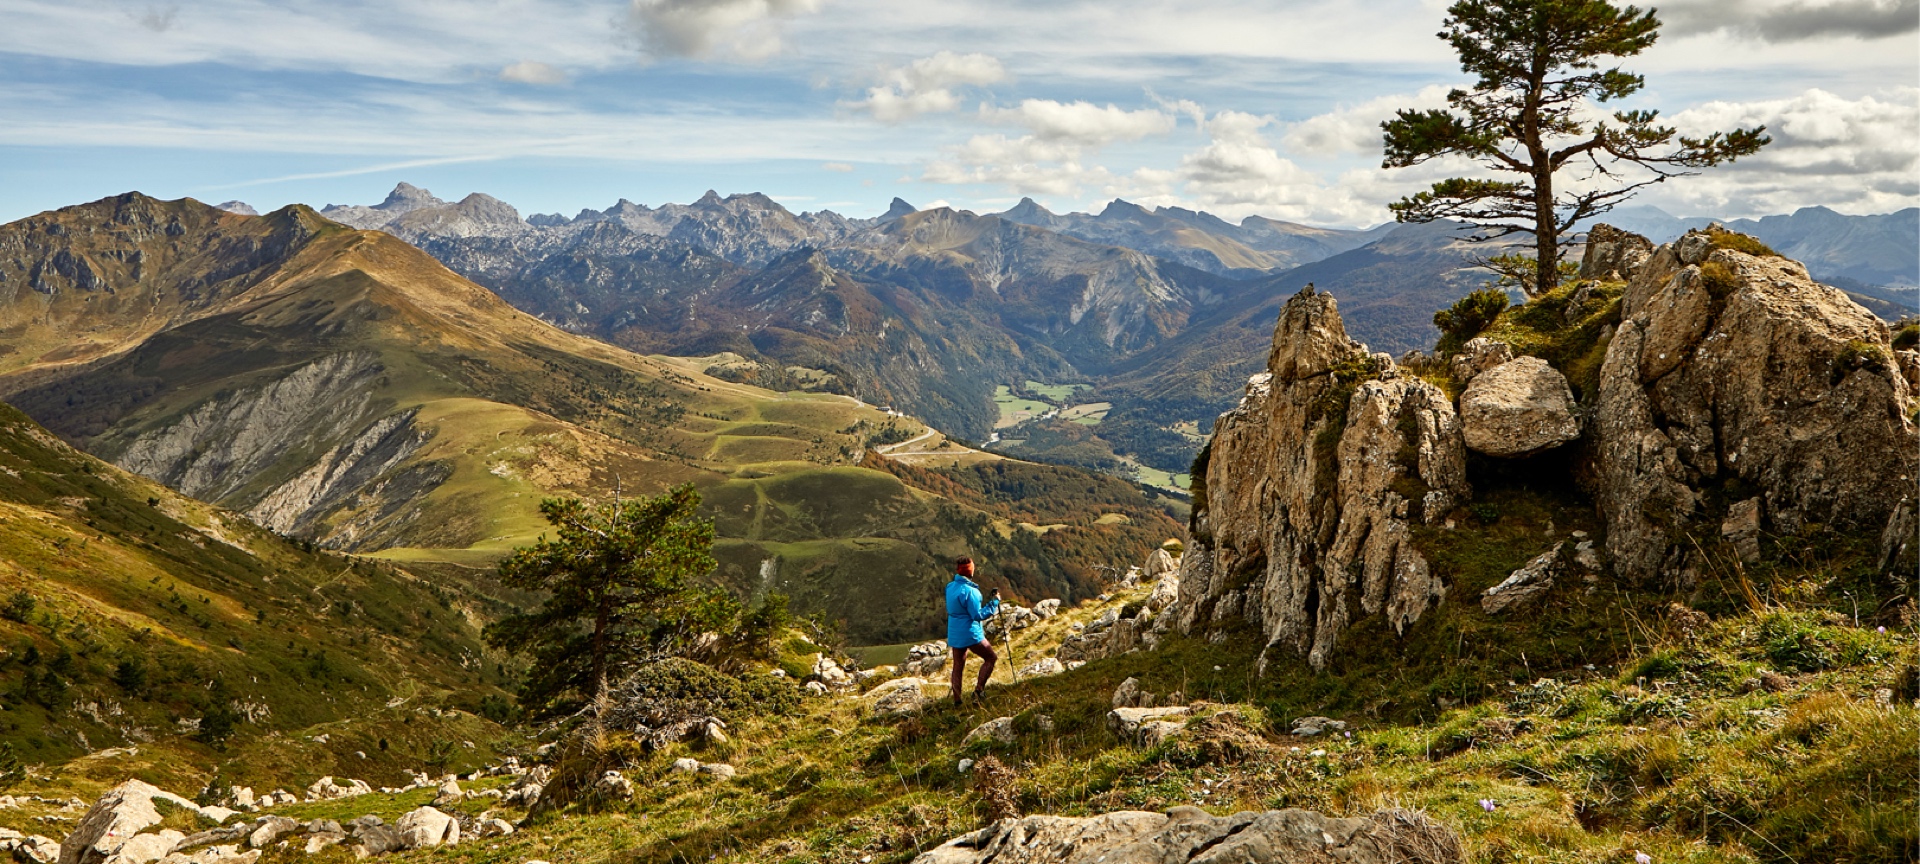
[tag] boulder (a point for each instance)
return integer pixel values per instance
(717, 770)
(1729, 367)
(1159, 563)
(427, 827)
(828, 671)
(317, 842)
(1518, 408)
(126, 810)
(494, 828)
(1532, 581)
(146, 848)
(815, 688)
(36, 849)
(270, 829)
(327, 789)
(1047, 608)
(685, 766)
(1188, 834)
(996, 731)
(1126, 722)
(1613, 254)
(372, 837)
(897, 698)
(1477, 356)
(450, 793)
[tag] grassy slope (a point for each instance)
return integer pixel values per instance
(149, 607)
(1668, 748)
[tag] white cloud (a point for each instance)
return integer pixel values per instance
(837, 167)
(743, 29)
(1082, 124)
(532, 72)
(1356, 129)
(1795, 20)
(926, 85)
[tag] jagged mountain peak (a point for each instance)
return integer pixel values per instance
(897, 209)
(1120, 208)
(240, 207)
(406, 196)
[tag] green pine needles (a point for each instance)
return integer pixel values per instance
(1534, 112)
(624, 588)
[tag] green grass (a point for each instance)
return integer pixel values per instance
(1015, 410)
(1058, 394)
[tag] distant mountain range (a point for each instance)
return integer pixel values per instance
(341, 386)
(932, 311)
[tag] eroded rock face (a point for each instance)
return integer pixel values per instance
(1732, 370)
(1303, 515)
(1518, 408)
(1189, 834)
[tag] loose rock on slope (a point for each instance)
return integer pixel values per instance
(1187, 835)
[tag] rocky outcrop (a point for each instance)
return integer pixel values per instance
(1613, 254)
(1188, 835)
(1733, 371)
(1310, 488)
(1518, 408)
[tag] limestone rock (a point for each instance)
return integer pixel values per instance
(1303, 522)
(828, 671)
(1518, 408)
(1307, 727)
(146, 848)
(126, 810)
(1130, 695)
(614, 784)
(1742, 529)
(1047, 608)
(1154, 733)
(427, 827)
(1477, 356)
(1126, 722)
(718, 770)
(998, 731)
(926, 659)
(1731, 367)
(1613, 254)
(1188, 834)
(270, 829)
(685, 766)
(450, 793)
(327, 789)
(35, 849)
(494, 828)
(1160, 562)
(1532, 581)
(898, 698)
(1043, 667)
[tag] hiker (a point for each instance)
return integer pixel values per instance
(965, 611)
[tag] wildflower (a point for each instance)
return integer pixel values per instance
(1348, 734)
(1883, 628)
(1642, 858)
(1488, 805)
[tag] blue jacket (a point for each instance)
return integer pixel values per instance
(965, 612)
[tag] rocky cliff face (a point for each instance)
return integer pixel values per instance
(1737, 399)
(1736, 386)
(1304, 510)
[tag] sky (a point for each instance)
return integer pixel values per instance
(1235, 107)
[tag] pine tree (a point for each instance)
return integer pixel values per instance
(1531, 113)
(623, 588)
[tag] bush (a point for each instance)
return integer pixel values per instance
(1724, 239)
(673, 692)
(19, 605)
(1467, 317)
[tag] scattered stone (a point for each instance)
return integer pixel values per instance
(1307, 727)
(898, 698)
(319, 841)
(1159, 563)
(815, 688)
(829, 672)
(614, 784)
(1157, 732)
(718, 770)
(1129, 695)
(270, 829)
(1477, 356)
(326, 789)
(1047, 608)
(685, 766)
(998, 730)
(965, 765)
(1126, 722)
(146, 848)
(1189, 834)
(1044, 667)
(428, 827)
(494, 828)
(1522, 586)
(450, 794)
